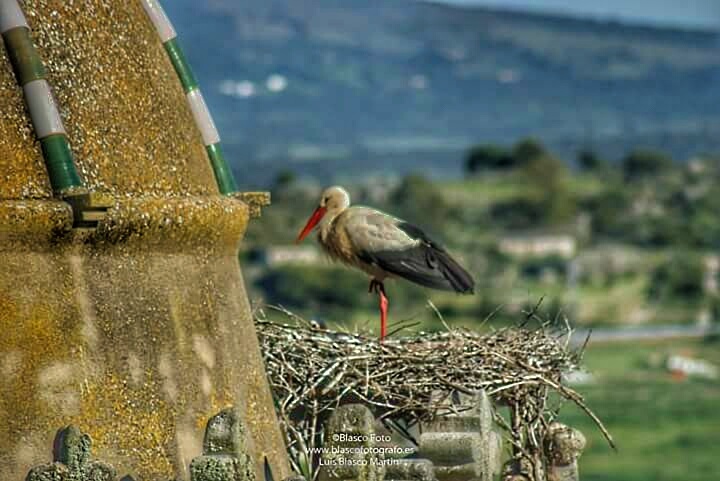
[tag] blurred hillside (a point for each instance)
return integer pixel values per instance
(326, 86)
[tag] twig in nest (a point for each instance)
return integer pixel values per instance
(439, 316)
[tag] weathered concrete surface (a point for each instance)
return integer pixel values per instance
(141, 331)
(137, 333)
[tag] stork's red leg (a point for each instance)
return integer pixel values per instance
(378, 287)
(383, 311)
(383, 315)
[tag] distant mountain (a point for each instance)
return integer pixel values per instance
(370, 86)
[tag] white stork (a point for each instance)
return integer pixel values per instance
(383, 246)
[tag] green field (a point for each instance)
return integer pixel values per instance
(665, 429)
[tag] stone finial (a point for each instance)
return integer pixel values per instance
(225, 457)
(563, 446)
(71, 460)
(465, 445)
(224, 434)
(348, 450)
(71, 447)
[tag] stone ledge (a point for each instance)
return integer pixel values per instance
(161, 223)
(255, 201)
(33, 224)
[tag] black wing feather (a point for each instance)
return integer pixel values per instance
(427, 263)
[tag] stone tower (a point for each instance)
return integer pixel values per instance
(122, 305)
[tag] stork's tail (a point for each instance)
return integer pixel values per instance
(460, 280)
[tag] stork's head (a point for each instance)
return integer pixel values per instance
(333, 200)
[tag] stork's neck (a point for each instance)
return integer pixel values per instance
(326, 225)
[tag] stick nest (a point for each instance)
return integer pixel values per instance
(409, 380)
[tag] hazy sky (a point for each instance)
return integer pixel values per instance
(704, 13)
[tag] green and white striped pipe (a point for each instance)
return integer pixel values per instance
(31, 76)
(203, 119)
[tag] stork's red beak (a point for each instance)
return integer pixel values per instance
(311, 223)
